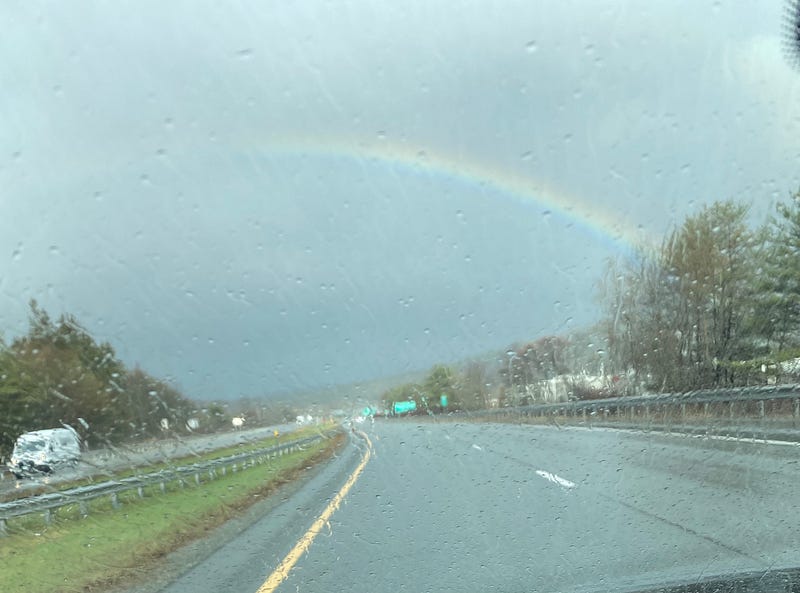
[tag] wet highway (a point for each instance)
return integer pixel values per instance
(491, 507)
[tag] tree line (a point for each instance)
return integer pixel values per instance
(58, 374)
(502, 379)
(716, 303)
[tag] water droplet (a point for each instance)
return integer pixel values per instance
(144, 179)
(531, 47)
(381, 135)
(54, 250)
(211, 341)
(244, 54)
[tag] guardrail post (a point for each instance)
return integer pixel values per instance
(683, 412)
(114, 501)
(761, 408)
(163, 487)
(731, 407)
(197, 478)
(48, 516)
(224, 470)
(140, 491)
(83, 509)
(3, 528)
(705, 409)
(796, 410)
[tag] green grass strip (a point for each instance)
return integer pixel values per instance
(111, 546)
(225, 451)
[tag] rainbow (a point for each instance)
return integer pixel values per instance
(588, 215)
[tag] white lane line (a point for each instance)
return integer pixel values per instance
(751, 440)
(676, 433)
(555, 479)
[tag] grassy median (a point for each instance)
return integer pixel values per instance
(113, 546)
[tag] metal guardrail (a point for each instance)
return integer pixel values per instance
(48, 503)
(617, 405)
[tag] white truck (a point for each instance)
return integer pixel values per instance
(42, 451)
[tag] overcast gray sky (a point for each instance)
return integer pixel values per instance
(255, 197)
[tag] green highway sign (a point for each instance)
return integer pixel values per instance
(404, 407)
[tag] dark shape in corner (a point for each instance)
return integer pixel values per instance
(792, 32)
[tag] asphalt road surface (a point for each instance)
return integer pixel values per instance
(491, 507)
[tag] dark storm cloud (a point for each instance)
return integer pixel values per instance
(135, 194)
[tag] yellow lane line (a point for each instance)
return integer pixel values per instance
(282, 571)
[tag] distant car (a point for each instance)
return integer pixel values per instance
(42, 451)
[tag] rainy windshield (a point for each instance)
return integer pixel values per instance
(377, 295)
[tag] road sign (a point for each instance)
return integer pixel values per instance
(443, 400)
(404, 407)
